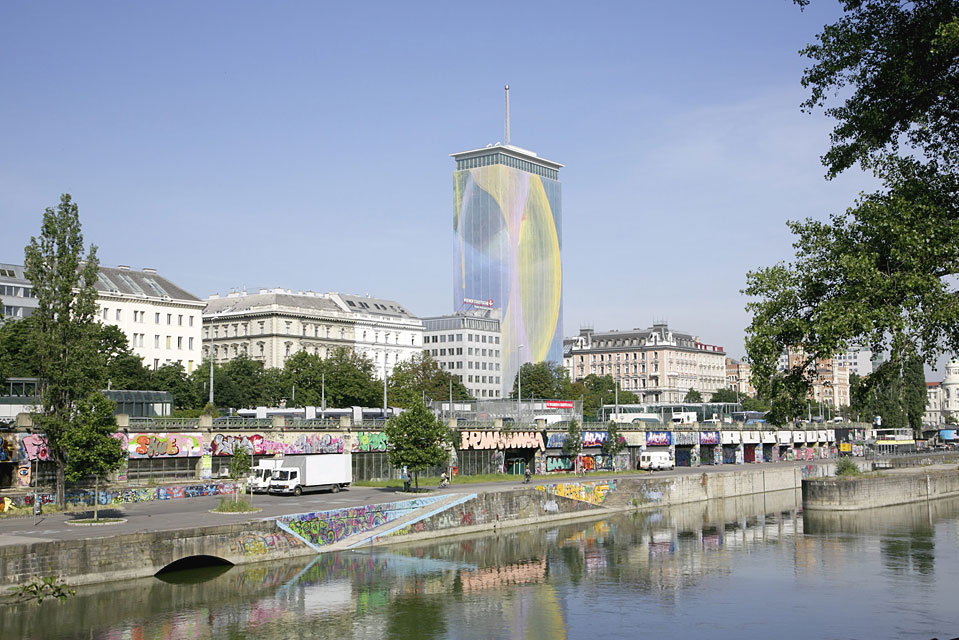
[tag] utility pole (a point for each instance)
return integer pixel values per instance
(211, 361)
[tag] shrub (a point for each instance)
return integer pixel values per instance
(846, 467)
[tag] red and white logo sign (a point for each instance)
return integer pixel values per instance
(559, 404)
(479, 303)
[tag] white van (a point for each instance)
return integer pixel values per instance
(653, 460)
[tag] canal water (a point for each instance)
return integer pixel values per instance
(741, 568)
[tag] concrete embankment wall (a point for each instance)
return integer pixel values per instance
(143, 554)
(139, 555)
(847, 494)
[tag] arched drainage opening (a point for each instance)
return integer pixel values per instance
(193, 569)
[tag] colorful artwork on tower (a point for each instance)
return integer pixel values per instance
(507, 243)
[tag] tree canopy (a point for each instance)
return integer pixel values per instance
(421, 375)
(543, 380)
(882, 274)
(597, 391)
(693, 395)
(725, 395)
(418, 439)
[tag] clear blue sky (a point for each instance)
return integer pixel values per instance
(305, 144)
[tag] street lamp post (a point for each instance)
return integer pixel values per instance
(211, 361)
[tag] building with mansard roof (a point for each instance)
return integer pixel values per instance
(273, 324)
(658, 364)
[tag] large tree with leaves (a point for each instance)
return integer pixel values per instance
(597, 391)
(422, 376)
(418, 439)
(881, 274)
(66, 330)
(89, 445)
(543, 380)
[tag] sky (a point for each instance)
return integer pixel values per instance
(305, 145)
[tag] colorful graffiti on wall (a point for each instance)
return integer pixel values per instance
(261, 544)
(8, 448)
(224, 444)
(34, 447)
(165, 445)
(109, 496)
(482, 440)
(364, 441)
(327, 527)
(586, 462)
(594, 438)
(658, 438)
(590, 492)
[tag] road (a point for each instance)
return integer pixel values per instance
(194, 512)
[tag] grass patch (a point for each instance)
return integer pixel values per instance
(228, 506)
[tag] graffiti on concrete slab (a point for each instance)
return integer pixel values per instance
(594, 438)
(165, 445)
(224, 444)
(591, 492)
(8, 448)
(483, 440)
(685, 438)
(364, 441)
(550, 506)
(658, 438)
(24, 474)
(332, 526)
(260, 544)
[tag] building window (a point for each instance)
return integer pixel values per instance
(169, 318)
(179, 342)
(156, 342)
(190, 344)
(191, 324)
(179, 320)
(156, 318)
(168, 342)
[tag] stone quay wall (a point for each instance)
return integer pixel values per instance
(848, 494)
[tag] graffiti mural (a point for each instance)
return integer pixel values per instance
(24, 473)
(8, 449)
(685, 438)
(556, 441)
(658, 438)
(259, 544)
(594, 438)
(328, 527)
(85, 497)
(224, 444)
(592, 493)
(480, 440)
(165, 445)
(709, 437)
(364, 441)
(586, 462)
(34, 447)
(559, 463)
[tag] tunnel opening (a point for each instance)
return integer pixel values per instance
(193, 569)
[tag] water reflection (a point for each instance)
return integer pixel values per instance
(703, 570)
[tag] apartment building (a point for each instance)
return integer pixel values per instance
(829, 382)
(738, 379)
(658, 364)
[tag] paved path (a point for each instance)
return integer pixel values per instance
(194, 512)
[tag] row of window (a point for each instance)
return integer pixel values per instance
(10, 311)
(16, 291)
(509, 161)
(458, 337)
(479, 366)
(470, 351)
(136, 340)
(189, 364)
(140, 316)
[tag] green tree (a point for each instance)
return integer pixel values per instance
(750, 403)
(89, 446)
(893, 66)
(881, 274)
(65, 335)
(17, 351)
(693, 396)
(614, 442)
(895, 391)
(351, 381)
(421, 375)
(418, 440)
(543, 380)
(573, 443)
(305, 372)
(121, 368)
(597, 391)
(172, 377)
(239, 468)
(725, 395)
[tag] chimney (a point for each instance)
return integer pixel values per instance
(149, 270)
(123, 267)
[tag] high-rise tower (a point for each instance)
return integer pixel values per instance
(507, 238)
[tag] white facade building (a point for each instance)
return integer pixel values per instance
(161, 321)
(272, 325)
(467, 344)
(950, 390)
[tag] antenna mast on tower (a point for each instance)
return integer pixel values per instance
(507, 115)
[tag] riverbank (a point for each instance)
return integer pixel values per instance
(892, 486)
(127, 555)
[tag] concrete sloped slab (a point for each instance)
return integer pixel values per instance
(369, 536)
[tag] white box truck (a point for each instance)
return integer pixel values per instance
(262, 473)
(312, 472)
